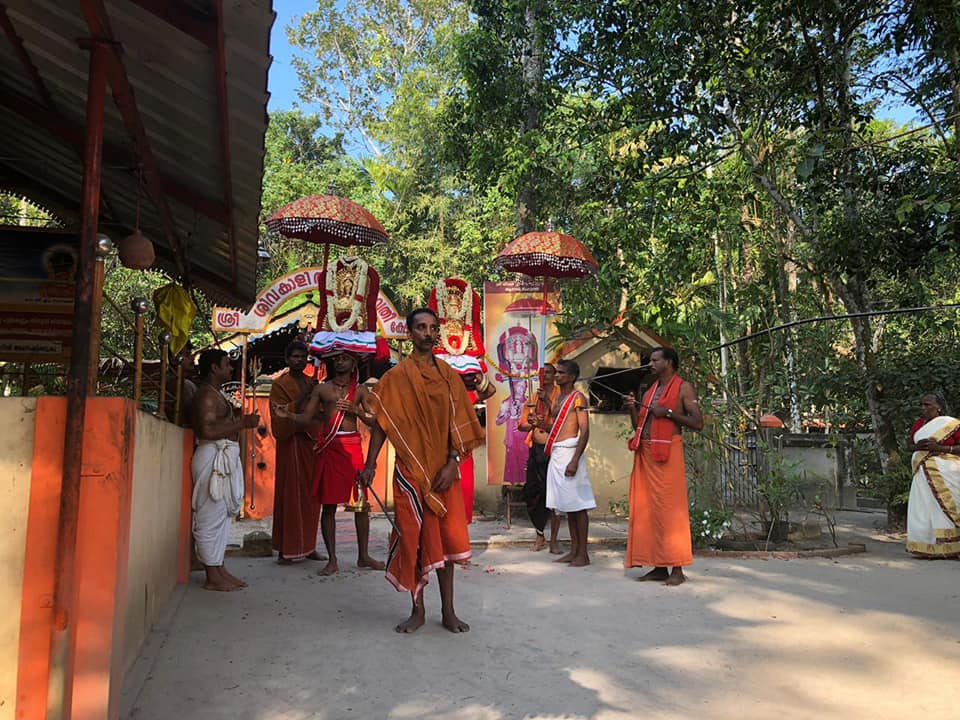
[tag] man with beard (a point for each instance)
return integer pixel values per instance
(659, 516)
(216, 468)
(535, 419)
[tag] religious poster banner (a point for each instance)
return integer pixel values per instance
(306, 280)
(515, 329)
(37, 275)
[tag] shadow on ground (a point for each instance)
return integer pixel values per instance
(868, 636)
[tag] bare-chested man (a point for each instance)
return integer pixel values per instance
(341, 400)
(659, 516)
(535, 419)
(568, 485)
(216, 467)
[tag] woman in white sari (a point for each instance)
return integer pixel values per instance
(933, 513)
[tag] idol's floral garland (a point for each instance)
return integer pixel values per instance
(359, 268)
(465, 315)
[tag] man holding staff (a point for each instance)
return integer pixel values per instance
(422, 406)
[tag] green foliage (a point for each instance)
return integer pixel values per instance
(726, 164)
(708, 525)
(779, 487)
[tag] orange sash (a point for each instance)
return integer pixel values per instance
(661, 429)
(423, 407)
(572, 398)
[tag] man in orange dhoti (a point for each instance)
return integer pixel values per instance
(659, 517)
(296, 511)
(422, 406)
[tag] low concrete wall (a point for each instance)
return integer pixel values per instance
(819, 459)
(16, 454)
(154, 528)
(815, 458)
(608, 462)
(130, 550)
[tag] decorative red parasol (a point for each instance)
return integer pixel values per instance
(527, 306)
(327, 219)
(546, 254)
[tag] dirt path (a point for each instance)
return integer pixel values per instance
(867, 636)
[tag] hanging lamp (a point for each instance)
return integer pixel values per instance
(135, 250)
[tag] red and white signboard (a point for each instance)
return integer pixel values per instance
(255, 320)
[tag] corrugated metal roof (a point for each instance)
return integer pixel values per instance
(169, 51)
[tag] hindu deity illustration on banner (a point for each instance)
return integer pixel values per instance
(513, 323)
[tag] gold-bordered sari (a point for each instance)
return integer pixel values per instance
(933, 513)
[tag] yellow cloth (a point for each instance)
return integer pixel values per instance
(175, 312)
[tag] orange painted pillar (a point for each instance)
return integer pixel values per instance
(63, 633)
(102, 558)
(102, 554)
(36, 616)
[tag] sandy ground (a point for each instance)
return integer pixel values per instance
(875, 635)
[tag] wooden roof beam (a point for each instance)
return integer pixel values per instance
(16, 42)
(113, 155)
(201, 28)
(223, 114)
(98, 21)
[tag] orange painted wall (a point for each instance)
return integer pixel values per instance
(101, 557)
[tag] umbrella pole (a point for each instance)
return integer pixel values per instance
(244, 434)
(543, 330)
(326, 255)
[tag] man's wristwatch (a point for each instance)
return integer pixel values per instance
(670, 413)
(455, 457)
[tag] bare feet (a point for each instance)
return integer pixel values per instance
(676, 577)
(412, 623)
(331, 568)
(555, 548)
(218, 581)
(220, 585)
(281, 560)
(316, 556)
(370, 564)
(539, 543)
(454, 624)
(230, 577)
(656, 575)
(581, 561)
(565, 559)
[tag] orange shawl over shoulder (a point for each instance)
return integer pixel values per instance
(661, 429)
(424, 409)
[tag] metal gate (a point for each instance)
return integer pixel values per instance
(742, 463)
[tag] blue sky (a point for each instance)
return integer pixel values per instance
(283, 78)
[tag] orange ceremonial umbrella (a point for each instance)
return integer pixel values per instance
(546, 254)
(327, 219)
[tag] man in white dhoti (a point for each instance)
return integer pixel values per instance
(933, 512)
(216, 467)
(568, 485)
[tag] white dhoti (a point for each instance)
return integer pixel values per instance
(568, 494)
(217, 496)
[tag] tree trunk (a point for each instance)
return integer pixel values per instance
(853, 296)
(532, 67)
